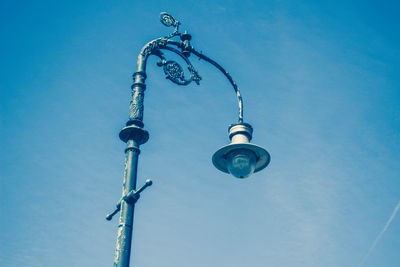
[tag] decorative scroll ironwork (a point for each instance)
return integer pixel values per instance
(153, 46)
(174, 72)
(172, 69)
(169, 21)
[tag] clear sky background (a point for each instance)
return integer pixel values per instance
(320, 81)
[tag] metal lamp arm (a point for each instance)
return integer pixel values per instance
(200, 55)
(172, 70)
(228, 76)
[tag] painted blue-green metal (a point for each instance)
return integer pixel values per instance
(133, 133)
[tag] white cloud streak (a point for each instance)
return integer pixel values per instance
(396, 209)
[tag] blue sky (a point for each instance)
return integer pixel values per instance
(321, 88)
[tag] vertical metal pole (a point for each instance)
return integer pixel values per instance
(133, 135)
(125, 227)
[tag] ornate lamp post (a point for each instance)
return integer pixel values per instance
(240, 157)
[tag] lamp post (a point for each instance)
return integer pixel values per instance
(240, 157)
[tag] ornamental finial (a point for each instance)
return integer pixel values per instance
(169, 21)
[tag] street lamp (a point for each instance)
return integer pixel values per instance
(240, 158)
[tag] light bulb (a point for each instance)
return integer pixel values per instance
(241, 163)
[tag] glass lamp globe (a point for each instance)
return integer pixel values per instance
(241, 158)
(241, 163)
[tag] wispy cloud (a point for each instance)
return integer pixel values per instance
(396, 209)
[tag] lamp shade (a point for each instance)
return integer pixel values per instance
(241, 158)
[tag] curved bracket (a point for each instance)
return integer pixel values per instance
(228, 76)
(172, 69)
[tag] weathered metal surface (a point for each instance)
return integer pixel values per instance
(172, 69)
(134, 134)
(125, 226)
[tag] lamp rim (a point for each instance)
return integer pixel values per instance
(220, 158)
